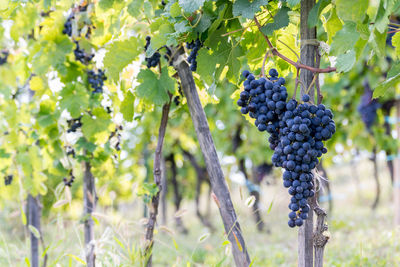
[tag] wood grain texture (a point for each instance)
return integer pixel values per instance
(307, 57)
(217, 179)
(89, 201)
(34, 214)
(157, 173)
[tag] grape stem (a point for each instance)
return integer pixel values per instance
(296, 64)
(294, 52)
(296, 83)
(317, 85)
(263, 64)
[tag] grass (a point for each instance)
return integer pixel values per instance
(359, 236)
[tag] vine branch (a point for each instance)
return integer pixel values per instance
(296, 64)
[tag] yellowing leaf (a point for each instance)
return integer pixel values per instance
(36, 84)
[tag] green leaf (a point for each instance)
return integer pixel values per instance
(378, 43)
(352, 10)
(181, 27)
(345, 62)
(206, 63)
(333, 24)
(175, 10)
(153, 88)
(382, 15)
(281, 19)
(120, 54)
(127, 106)
(95, 124)
(191, 6)
(74, 99)
(76, 258)
(34, 231)
(82, 143)
(344, 39)
(293, 3)
(396, 43)
(246, 8)
(381, 89)
(313, 16)
(394, 70)
(161, 37)
(134, 7)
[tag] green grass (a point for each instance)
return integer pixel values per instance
(359, 237)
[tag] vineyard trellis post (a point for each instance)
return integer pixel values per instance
(89, 201)
(157, 173)
(217, 179)
(307, 57)
(396, 182)
(34, 214)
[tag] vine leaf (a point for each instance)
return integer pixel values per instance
(127, 106)
(346, 61)
(352, 10)
(153, 88)
(396, 43)
(315, 12)
(191, 6)
(134, 8)
(93, 126)
(74, 99)
(246, 8)
(381, 89)
(345, 39)
(120, 54)
(293, 3)
(281, 19)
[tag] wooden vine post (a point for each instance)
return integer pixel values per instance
(217, 179)
(34, 214)
(396, 182)
(307, 57)
(89, 202)
(311, 242)
(157, 172)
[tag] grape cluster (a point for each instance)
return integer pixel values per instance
(68, 26)
(195, 47)
(368, 107)
(115, 137)
(68, 182)
(155, 58)
(74, 124)
(265, 101)
(296, 134)
(8, 179)
(70, 151)
(81, 55)
(96, 80)
(3, 57)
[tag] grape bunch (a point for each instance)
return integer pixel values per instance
(96, 80)
(70, 151)
(68, 26)
(368, 107)
(74, 124)
(296, 134)
(195, 47)
(115, 138)
(3, 57)
(8, 179)
(81, 55)
(265, 101)
(305, 126)
(68, 182)
(154, 59)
